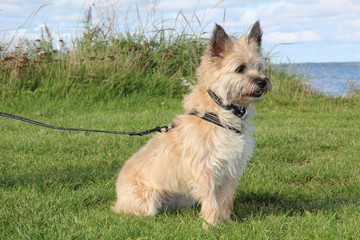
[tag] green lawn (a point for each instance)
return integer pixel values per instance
(302, 183)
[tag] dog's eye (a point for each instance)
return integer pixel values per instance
(240, 69)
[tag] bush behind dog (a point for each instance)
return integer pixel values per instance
(106, 64)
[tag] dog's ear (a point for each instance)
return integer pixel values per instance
(256, 33)
(218, 41)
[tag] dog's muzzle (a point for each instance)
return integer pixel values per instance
(262, 86)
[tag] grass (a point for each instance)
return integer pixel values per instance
(302, 182)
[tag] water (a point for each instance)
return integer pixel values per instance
(334, 79)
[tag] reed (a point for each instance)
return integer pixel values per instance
(107, 62)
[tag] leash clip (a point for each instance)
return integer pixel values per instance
(165, 129)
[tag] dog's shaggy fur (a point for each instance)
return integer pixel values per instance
(198, 161)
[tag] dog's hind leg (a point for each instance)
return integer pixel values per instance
(137, 199)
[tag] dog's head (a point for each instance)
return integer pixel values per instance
(233, 68)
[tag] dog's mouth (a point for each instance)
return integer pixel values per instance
(256, 94)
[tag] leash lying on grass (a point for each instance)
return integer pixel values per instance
(156, 129)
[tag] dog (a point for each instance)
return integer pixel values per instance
(202, 157)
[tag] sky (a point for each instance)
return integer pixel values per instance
(295, 31)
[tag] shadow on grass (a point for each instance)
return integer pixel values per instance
(71, 177)
(266, 204)
(260, 205)
(246, 205)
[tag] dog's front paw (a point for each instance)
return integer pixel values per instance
(226, 218)
(207, 225)
(210, 223)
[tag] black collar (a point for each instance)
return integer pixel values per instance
(237, 111)
(213, 118)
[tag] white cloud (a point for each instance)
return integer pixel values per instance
(309, 21)
(293, 37)
(24, 1)
(249, 17)
(17, 36)
(352, 24)
(77, 4)
(349, 37)
(314, 9)
(170, 5)
(9, 10)
(68, 18)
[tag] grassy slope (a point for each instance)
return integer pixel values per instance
(302, 182)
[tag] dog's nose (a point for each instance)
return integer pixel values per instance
(261, 83)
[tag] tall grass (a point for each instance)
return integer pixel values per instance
(102, 63)
(152, 57)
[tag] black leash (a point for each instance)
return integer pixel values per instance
(156, 129)
(210, 117)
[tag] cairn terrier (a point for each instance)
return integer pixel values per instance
(202, 157)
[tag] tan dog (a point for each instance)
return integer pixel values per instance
(202, 158)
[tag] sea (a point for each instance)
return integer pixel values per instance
(336, 79)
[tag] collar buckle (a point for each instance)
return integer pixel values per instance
(237, 111)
